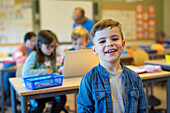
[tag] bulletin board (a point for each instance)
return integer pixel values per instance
(135, 23)
(15, 21)
(56, 15)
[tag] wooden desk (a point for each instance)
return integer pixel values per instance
(2, 71)
(128, 60)
(162, 62)
(155, 77)
(158, 62)
(70, 85)
(5, 59)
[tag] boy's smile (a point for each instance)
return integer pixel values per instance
(108, 44)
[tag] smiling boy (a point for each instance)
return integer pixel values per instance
(110, 87)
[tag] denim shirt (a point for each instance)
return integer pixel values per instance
(95, 93)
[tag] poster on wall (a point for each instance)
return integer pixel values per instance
(145, 22)
(15, 21)
(127, 20)
(139, 22)
(151, 21)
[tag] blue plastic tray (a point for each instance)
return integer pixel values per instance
(43, 81)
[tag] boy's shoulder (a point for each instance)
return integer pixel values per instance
(130, 73)
(91, 74)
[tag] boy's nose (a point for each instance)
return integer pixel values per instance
(110, 43)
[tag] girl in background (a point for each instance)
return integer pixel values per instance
(41, 61)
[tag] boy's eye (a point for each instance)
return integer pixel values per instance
(115, 39)
(102, 41)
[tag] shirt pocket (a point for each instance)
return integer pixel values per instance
(134, 98)
(134, 93)
(99, 95)
(100, 101)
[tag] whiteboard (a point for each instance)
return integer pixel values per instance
(56, 15)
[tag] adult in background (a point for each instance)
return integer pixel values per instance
(80, 20)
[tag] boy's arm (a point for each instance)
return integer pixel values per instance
(143, 104)
(84, 98)
(19, 55)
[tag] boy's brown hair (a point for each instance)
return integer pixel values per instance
(102, 24)
(78, 32)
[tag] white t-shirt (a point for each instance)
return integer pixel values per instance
(116, 85)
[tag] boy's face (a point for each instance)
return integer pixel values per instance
(30, 43)
(108, 44)
(80, 43)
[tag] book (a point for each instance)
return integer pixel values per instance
(147, 69)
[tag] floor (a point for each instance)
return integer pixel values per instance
(69, 106)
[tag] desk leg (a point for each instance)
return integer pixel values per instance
(146, 87)
(2, 91)
(168, 95)
(13, 100)
(75, 105)
(24, 106)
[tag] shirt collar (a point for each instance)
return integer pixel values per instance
(103, 72)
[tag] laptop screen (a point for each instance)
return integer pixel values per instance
(79, 62)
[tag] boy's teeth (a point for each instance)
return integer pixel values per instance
(109, 51)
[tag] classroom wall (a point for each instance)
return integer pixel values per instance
(159, 9)
(167, 18)
(162, 18)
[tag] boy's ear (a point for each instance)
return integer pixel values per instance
(123, 44)
(94, 50)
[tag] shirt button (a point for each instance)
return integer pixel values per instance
(106, 74)
(108, 95)
(107, 80)
(97, 96)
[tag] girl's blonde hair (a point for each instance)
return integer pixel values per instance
(78, 32)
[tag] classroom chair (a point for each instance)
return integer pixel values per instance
(7, 75)
(158, 47)
(3, 54)
(139, 57)
(134, 47)
(19, 69)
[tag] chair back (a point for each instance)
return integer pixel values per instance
(139, 57)
(19, 70)
(3, 54)
(157, 47)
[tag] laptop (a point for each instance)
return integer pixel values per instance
(78, 63)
